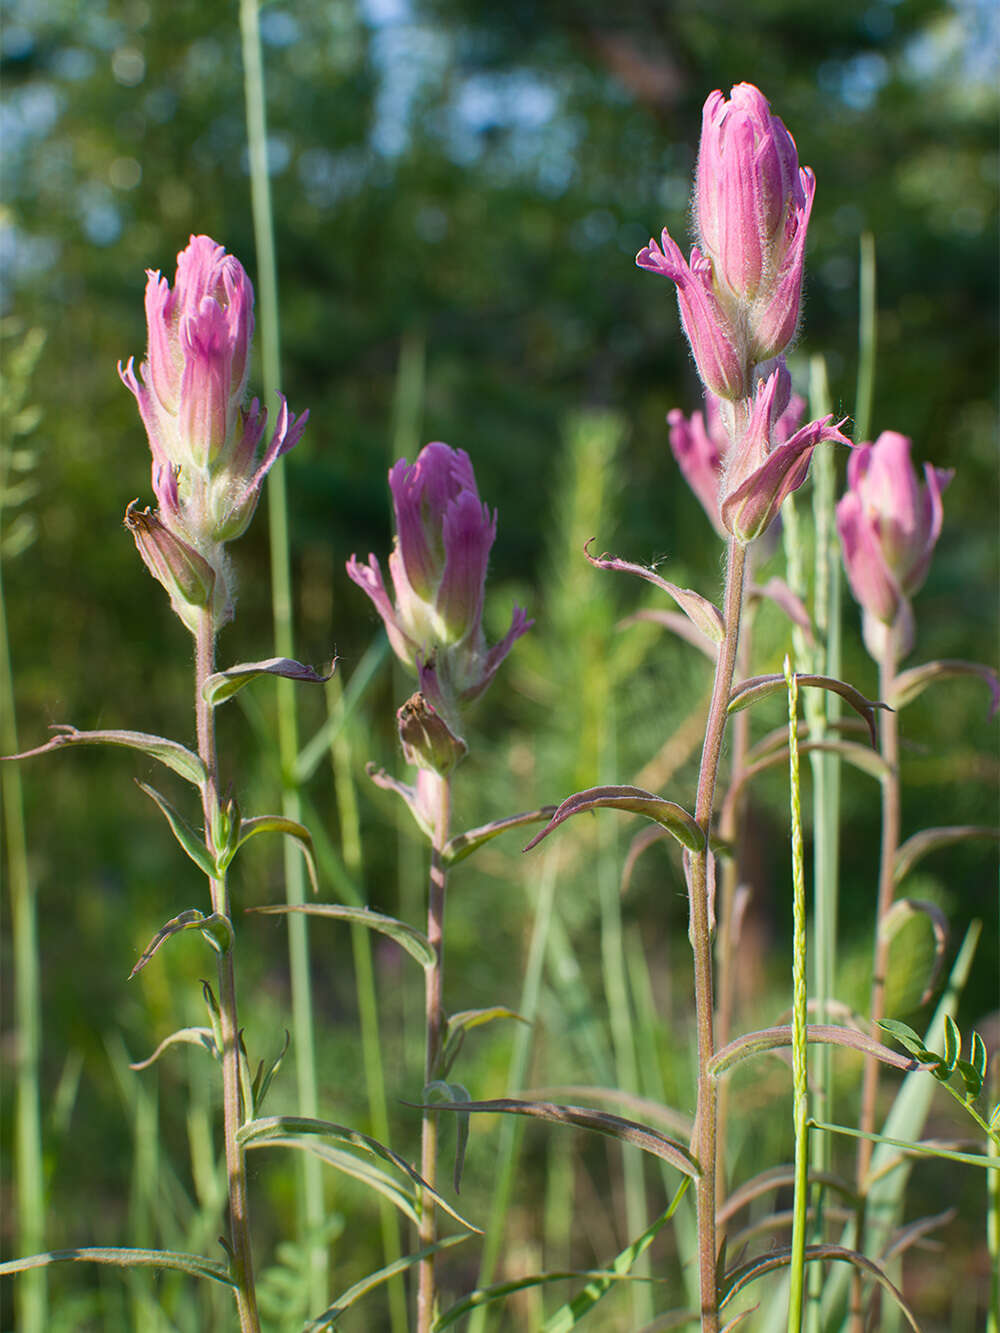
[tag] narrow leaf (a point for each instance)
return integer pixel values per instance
(455, 1096)
(194, 1264)
(952, 1043)
(416, 945)
(748, 692)
(215, 928)
(294, 1128)
(266, 1072)
(921, 1148)
(192, 1036)
(249, 828)
(174, 756)
(777, 591)
(498, 1290)
(570, 1314)
(770, 1039)
(677, 624)
(702, 613)
(909, 1039)
(353, 1294)
(224, 684)
(931, 839)
(349, 1165)
(183, 832)
(767, 1263)
(909, 684)
(474, 1018)
(678, 823)
(977, 1056)
(405, 792)
(464, 844)
(972, 1079)
(582, 1117)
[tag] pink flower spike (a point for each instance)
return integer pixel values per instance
(369, 580)
(720, 360)
(700, 451)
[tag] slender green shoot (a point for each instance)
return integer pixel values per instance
(799, 1018)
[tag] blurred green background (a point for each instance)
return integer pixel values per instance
(461, 189)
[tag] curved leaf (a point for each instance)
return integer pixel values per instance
(249, 828)
(741, 1277)
(295, 1129)
(677, 624)
(215, 928)
(458, 1024)
(584, 1117)
(748, 692)
(860, 756)
(498, 1290)
(417, 945)
(183, 832)
(909, 684)
(191, 1036)
(169, 753)
(367, 1173)
(647, 1107)
(777, 591)
(921, 1148)
(780, 1177)
(194, 1264)
(702, 613)
(343, 1303)
(224, 684)
(454, 1096)
(464, 844)
(771, 1039)
(931, 839)
(676, 820)
(403, 790)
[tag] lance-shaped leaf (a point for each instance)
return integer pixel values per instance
(943, 1148)
(740, 1277)
(417, 945)
(777, 591)
(902, 910)
(497, 1291)
(458, 1024)
(215, 928)
(677, 624)
(453, 1095)
(585, 1117)
(748, 692)
(224, 684)
(772, 1039)
(407, 793)
(296, 1129)
(183, 832)
(331, 1316)
(174, 756)
(931, 839)
(676, 820)
(702, 613)
(400, 1195)
(779, 1178)
(911, 683)
(249, 828)
(464, 844)
(266, 1072)
(191, 1036)
(194, 1264)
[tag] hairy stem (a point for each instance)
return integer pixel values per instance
(232, 1100)
(700, 933)
(434, 1020)
(889, 730)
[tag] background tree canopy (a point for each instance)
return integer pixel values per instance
(462, 188)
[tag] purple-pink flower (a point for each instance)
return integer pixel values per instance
(740, 292)
(889, 525)
(444, 534)
(191, 389)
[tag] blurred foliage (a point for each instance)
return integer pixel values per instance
(480, 178)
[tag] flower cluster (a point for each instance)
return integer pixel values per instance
(444, 534)
(889, 525)
(739, 298)
(190, 389)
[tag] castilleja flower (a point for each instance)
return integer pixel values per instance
(889, 525)
(739, 294)
(191, 390)
(444, 534)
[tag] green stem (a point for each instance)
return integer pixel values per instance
(434, 1021)
(799, 1017)
(890, 841)
(30, 1175)
(700, 934)
(312, 1208)
(232, 1099)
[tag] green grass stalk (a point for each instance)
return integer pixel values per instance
(364, 971)
(799, 1017)
(312, 1208)
(32, 1291)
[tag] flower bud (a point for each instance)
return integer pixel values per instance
(428, 742)
(189, 579)
(889, 525)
